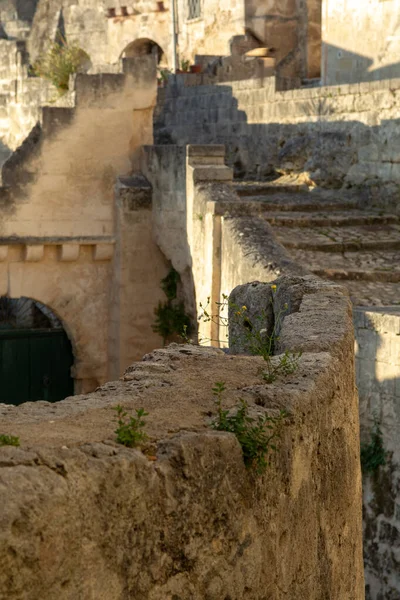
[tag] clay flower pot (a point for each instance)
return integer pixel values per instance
(195, 69)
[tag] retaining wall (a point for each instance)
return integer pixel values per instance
(378, 378)
(342, 135)
(85, 517)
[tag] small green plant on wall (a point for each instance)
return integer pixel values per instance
(129, 431)
(171, 318)
(257, 339)
(373, 454)
(185, 65)
(256, 436)
(59, 62)
(9, 440)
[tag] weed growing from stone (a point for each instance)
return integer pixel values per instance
(130, 429)
(257, 339)
(9, 440)
(59, 62)
(171, 318)
(373, 454)
(256, 436)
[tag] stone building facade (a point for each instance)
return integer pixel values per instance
(72, 215)
(361, 41)
(109, 28)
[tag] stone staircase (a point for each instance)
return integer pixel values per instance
(329, 233)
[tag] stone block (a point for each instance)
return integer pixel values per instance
(383, 99)
(394, 341)
(69, 252)
(250, 316)
(358, 318)
(370, 153)
(382, 322)
(364, 102)
(212, 173)
(366, 375)
(367, 343)
(384, 349)
(34, 252)
(210, 150)
(385, 377)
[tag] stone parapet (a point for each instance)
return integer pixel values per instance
(189, 487)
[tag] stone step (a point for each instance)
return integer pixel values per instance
(305, 202)
(349, 218)
(379, 261)
(357, 275)
(250, 188)
(340, 239)
(364, 293)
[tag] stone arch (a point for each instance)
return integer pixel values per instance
(55, 280)
(36, 352)
(144, 47)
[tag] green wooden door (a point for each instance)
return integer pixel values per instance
(35, 364)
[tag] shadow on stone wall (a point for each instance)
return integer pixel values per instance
(336, 152)
(356, 67)
(378, 374)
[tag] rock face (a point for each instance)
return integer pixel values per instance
(83, 517)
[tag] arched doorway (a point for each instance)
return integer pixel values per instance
(144, 47)
(35, 353)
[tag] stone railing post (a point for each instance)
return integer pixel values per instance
(206, 172)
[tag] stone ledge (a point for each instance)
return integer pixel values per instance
(69, 251)
(86, 518)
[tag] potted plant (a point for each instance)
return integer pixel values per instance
(195, 68)
(185, 64)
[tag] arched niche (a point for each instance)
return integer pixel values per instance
(36, 355)
(144, 47)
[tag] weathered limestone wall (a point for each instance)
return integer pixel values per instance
(195, 226)
(104, 35)
(201, 226)
(343, 135)
(211, 34)
(16, 17)
(378, 377)
(138, 268)
(67, 239)
(360, 41)
(165, 168)
(293, 29)
(21, 97)
(87, 518)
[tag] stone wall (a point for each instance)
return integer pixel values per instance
(344, 135)
(88, 518)
(378, 377)
(16, 17)
(66, 235)
(293, 30)
(105, 29)
(360, 41)
(228, 247)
